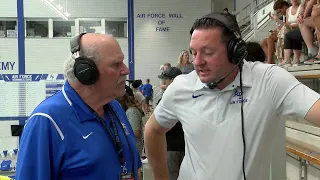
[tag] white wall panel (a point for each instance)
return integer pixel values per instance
(37, 8)
(155, 48)
(8, 8)
(9, 56)
(123, 42)
(78, 8)
(8, 92)
(7, 142)
(48, 55)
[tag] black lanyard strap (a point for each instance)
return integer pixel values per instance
(115, 138)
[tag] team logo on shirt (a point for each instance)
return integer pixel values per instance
(237, 99)
(126, 131)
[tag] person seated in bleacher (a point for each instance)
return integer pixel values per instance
(255, 52)
(306, 27)
(316, 20)
(268, 44)
(293, 38)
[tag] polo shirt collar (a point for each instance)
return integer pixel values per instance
(81, 109)
(246, 80)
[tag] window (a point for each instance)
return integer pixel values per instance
(37, 29)
(64, 29)
(8, 28)
(116, 28)
(90, 26)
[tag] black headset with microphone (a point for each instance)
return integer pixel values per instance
(85, 69)
(237, 52)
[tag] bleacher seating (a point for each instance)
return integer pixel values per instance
(306, 153)
(303, 150)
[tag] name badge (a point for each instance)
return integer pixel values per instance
(126, 176)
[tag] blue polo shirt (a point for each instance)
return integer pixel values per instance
(63, 140)
(147, 89)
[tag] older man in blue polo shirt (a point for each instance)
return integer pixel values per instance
(81, 132)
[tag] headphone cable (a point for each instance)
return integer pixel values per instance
(242, 125)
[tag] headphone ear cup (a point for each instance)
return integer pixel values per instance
(86, 71)
(236, 50)
(241, 50)
(231, 55)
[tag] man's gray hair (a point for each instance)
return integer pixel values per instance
(91, 52)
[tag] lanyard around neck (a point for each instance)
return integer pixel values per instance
(115, 138)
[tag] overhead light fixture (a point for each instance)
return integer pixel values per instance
(59, 7)
(67, 14)
(48, 2)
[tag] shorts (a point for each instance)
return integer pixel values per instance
(174, 160)
(293, 39)
(147, 99)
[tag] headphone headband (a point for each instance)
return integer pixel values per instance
(84, 68)
(236, 47)
(228, 21)
(75, 43)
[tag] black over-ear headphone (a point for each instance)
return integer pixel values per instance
(236, 48)
(85, 69)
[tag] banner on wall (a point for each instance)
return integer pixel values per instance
(21, 93)
(7, 65)
(30, 77)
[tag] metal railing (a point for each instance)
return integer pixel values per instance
(244, 17)
(246, 11)
(253, 28)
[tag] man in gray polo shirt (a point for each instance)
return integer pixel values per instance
(221, 104)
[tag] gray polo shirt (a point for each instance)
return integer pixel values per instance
(212, 121)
